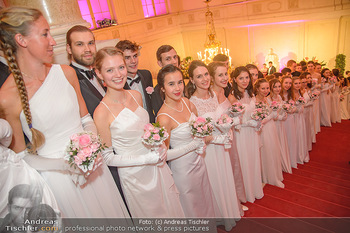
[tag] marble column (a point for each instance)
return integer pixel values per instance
(61, 15)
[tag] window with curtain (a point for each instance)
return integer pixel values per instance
(94, 10)
(153, 8)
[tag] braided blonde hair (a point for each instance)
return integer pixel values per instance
(14, 20)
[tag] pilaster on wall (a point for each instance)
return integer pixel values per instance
(293, 28)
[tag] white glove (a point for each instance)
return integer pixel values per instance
(5, 133)
(283, 116)
(253, 123)
(88, 124)
(117, 160)
(45, 164)
(201, 149)
(221, 139)
(237, 120)
(181, 151)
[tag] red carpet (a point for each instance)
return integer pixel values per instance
(316, 197)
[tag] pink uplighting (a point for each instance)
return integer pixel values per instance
(99, 8)
(148, 9)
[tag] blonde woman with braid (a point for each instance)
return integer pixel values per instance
(43, 100)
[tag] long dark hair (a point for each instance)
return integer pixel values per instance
(234, 90)
(190, 87)
(170, 68)
(289, 91)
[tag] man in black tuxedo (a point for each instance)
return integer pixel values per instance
(4, 70)
(140, 80)
(81, 50)
(271, 69)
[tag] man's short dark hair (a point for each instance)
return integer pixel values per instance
(127, 44)
(163, 49)
(221, 57)
(25, 191)
(286, 70)
(290, 63)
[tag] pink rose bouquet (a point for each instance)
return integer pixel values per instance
(236, 109)
(201, 127)
(315, 95)
(288, 105)
(300, 101)
(333, 80)
(259, 114)
(154, 135)
(82, 151)
(274, 105)
(341, 97)
(260, 105)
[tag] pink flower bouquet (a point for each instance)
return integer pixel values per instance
(333, 80)
(274, 105)
(83, 150)
(300, 101)
(201, 127)
(259, 114)
(154, 135)
(315, 95)
(288, 105)
(236, 109)
(341, 97)
(260, 105)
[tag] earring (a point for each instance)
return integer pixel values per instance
(194, 86)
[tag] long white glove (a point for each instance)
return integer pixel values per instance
(88, 124)
(45, 164)
(221, 139)
(196, 144)
(117, 160)
(282, 116)
(5, 133)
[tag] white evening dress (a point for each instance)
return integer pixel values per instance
(316, 113)
(55, 112)
(149, 190)
(300, 128)
(190, 174)
(218, 163)
(271, 165)
(336, 113)
(282, 137)
(248, 143)
(290, 128)
(325, 105)
(15, 171)
(308, 116)
(343, 104)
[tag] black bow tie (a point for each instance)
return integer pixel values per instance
(90, 73)
(136, 80)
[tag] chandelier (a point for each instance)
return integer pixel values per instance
(212, 45)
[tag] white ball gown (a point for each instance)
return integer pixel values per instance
(271, 165)
(335, 109)
(344, 104)
(300, 129)
(149, 190)
(218, 163)
(248, 143)
(282, 136)
(308, 116)
(190, 174)
(15, 171)
(289, 125)
(325, 105)
(55, 112)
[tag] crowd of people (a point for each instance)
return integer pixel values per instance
(104, 92)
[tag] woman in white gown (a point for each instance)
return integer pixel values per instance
(188, 167)
(325, 98)
(308, 113)
(336, 113)
(57, 111)
(216, 157)
(218, 72)
(275, 90)
(300, 127)
(271, 165)
(146, 179)
(289, 123)
(247, 138)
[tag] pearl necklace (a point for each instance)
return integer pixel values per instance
(182, 107)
